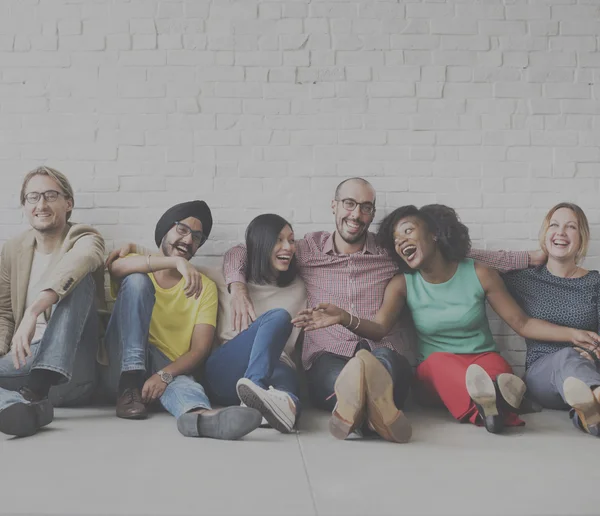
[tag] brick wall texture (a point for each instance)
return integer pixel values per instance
(490, 106)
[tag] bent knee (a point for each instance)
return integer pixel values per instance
(137, 281)
(569, 353)
(280, 315)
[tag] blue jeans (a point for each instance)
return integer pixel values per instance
(129, 350)
(253, 354)
(68, 346)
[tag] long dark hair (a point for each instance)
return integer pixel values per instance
(261, 237)
(442, 221)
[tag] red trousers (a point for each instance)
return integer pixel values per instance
(442, 376)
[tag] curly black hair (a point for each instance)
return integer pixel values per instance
(442, 221)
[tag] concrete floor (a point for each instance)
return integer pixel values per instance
(88, 462)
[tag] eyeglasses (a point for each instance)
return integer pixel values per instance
(48, 195)
(184, 230)
(366, 208)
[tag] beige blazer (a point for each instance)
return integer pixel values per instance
(80, 253)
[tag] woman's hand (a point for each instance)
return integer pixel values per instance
(589, 341)
(322, 316)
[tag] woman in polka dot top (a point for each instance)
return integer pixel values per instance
(563, 376)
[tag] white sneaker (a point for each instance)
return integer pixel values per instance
(276, 406)
(264, 423)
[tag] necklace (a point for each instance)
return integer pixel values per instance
(573, 273)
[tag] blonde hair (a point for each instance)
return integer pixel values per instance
(582, 226)
(53, 174)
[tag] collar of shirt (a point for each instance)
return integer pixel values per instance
(370, 247)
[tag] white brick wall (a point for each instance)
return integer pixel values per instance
(492, 107)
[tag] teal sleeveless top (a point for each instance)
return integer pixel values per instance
(450, 316)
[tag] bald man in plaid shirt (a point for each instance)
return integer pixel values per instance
(348, 269)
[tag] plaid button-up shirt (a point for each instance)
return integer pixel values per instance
(356, 283)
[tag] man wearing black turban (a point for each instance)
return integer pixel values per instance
(162, 329)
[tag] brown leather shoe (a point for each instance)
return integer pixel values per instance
(383, 415)
(350, 409)
(130, 406)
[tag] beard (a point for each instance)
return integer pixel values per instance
(168, 248)
(351, 238)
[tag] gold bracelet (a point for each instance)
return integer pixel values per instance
(148, 262)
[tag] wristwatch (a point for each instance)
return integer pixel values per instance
(165, 377)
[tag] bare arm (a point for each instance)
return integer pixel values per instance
(326, 314)
(202, 339)
(508, 309)
(200, 346)
(131, 264)
(145, 264)
(123, 251)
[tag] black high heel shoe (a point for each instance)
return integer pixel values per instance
(482, 390)
(510, 391)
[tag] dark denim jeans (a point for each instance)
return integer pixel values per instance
(327, 367)
(253, 354)
(68, 346)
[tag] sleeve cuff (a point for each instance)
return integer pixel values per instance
(234, 277)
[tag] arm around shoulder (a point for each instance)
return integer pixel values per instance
(502, 261)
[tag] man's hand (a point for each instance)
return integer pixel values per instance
(537, 258)
(193, 278)
(153, 389)
(119, 253)
(242, 309)
(22, 339)
(322, 316)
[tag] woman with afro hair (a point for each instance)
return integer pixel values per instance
(446, 292)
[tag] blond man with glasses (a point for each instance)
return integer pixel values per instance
(51, 281)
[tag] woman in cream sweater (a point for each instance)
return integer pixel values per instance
(254, 365)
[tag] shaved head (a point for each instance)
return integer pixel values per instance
(354, 180)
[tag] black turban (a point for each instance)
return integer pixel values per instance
(196, 209)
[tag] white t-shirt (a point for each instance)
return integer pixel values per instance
(38, 267)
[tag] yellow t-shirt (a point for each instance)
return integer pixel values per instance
(175, 315)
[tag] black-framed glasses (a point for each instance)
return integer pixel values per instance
(49, 196)
(366, 208)
(184, 230)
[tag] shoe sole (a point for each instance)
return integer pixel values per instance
(134, 417)
(228, 424)
(387, 420)
(512, 389)
(481, 389)
(579, 396)
(20, 420)
(253, 398)
(349, 411)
